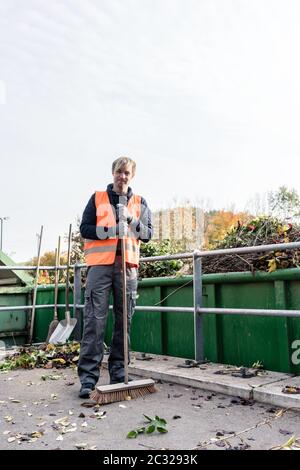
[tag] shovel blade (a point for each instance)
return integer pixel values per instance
(63, 331)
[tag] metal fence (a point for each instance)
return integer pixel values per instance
(197, 309)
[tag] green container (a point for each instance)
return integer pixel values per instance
(13, 323)
(228, 339)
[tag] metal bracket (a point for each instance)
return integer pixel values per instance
(188, 363)
(243, 373)
(143, 357)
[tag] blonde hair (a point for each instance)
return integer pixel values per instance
(123, 161)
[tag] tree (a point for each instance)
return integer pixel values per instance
(77, 254)
(219, 223)
(47, 259)
(284, 203)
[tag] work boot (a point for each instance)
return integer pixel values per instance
(85, 390)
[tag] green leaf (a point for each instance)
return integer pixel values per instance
(150, 429)
(147, 418)
(161, 429)
(161, 420)
(132, 434)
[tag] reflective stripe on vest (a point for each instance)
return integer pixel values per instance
(104, 251)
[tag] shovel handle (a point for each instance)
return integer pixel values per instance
(35, 287)
(68, 269)
(57, 260)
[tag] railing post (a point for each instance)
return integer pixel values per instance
(77, 301)
(198, 318)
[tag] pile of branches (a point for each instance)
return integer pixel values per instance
(264, 230)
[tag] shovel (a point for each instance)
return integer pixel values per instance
(53, 325)
(65, 327)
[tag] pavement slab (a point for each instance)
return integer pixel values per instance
(274, 395)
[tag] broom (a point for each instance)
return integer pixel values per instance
(136, 388)
(55, 320)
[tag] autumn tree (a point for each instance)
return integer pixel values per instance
(219, 223)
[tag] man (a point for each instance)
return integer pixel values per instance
(108, 216)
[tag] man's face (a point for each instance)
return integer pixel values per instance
(122, 177)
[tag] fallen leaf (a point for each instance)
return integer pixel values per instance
(122, 406)
(8, 419)
(84, 425)
(63, 421)
(11, 439)
(87, 404)
(71, 429)
(36, 434)
(291, 389)
(51, 377)
(285, 432)
(81, 445)
(60, 438)
(6, 432)
(279, 413)
(220, 444)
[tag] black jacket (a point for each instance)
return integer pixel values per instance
(143, 226)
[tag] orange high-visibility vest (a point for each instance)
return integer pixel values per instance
(103, 251)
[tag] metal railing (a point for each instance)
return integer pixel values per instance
(198, 310)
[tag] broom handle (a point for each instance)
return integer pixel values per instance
(57, 259)
(67, 314)
(125, 326)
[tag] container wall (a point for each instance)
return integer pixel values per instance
(229, 339)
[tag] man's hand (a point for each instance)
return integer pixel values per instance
(124, 214)
(122, 229)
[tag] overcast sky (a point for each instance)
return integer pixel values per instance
(203, 94)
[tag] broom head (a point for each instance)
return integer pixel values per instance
(119, 392)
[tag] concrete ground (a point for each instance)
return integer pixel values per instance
(40, 409)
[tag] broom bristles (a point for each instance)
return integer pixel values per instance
(106, 394)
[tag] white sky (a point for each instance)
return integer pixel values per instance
(203, 94)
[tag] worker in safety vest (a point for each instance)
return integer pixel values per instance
(102, 228)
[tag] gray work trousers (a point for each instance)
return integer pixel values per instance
(101, 280)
